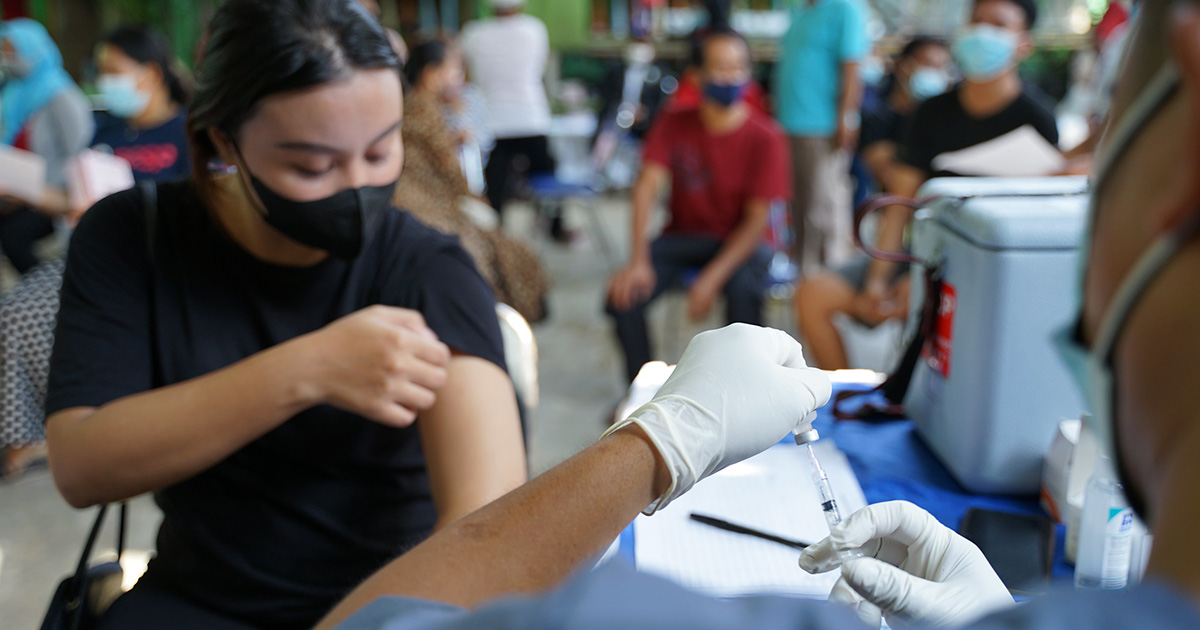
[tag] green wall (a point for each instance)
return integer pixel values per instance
(568, 21)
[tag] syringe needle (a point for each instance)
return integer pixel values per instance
(829, 506)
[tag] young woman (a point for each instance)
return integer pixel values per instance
(145, 99)
(308, 379)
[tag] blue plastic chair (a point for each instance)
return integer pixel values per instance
(549, 191)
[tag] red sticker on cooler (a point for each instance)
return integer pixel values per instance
(938, 348)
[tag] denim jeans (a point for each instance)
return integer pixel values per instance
(673, 257)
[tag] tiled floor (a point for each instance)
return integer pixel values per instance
(40, 536)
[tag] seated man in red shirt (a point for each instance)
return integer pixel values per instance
(726, 164)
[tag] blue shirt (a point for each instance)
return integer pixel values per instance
(615, 596)
(823, 36)
(159, 154)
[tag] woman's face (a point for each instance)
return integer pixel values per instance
(447, 78)
(13, 64)
(110, 60)
(314, 143)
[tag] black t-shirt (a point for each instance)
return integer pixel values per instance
(159, 153)
(941, 125)
(286, 526)
(882, 123)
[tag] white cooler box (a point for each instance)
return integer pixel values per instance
(988, 392)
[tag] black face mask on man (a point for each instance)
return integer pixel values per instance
(340, 224)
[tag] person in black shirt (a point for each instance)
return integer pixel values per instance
(946, 123)
(920, 72)
(309, 380)
(990, 102)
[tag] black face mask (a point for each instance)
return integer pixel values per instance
(340, 224)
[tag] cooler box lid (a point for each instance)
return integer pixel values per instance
(1042, 213)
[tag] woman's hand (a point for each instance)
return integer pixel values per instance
(382, 362)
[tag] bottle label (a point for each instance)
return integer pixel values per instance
(1118, 537)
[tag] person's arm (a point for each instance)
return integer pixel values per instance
(879, 157)
(636, 280)
(644, 197)
(380, 362)
(849, 101)
(68, 125)
(530, 539)
(852, 48)
(905, 181)
(472, 439)
(535, 536)
(735, 251)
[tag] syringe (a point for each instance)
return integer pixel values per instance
(829, 505)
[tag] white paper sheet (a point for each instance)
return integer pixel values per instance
(772, 492)
(22, 174)
(94, 175)
(1022, 152)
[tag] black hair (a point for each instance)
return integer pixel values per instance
(918, 42)
(1029, 7)
(702, 36)
(430, 53)
(718, 13)
(147, 46)
(258, 48)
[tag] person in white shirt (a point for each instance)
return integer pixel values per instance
(506, 57)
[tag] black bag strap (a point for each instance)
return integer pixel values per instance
(896, 385)
(90, 543)
(122, 523)
(897, 382)
(149, 190)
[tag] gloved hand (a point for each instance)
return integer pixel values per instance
(913, 568)
(736, 391)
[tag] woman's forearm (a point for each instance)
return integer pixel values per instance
(152, 440)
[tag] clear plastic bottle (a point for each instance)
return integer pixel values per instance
(1105, 533)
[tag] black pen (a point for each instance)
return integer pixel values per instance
(741, 529)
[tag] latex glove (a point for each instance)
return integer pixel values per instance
(913, 568)
(736, 392)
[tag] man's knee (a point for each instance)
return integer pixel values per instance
(822, 295)
(635, 310)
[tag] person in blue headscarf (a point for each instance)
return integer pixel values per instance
(43, 111)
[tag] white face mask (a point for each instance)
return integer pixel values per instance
(926, 83)
(121, 96)
(13, 66)
(984, 52)
(1093, 369)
